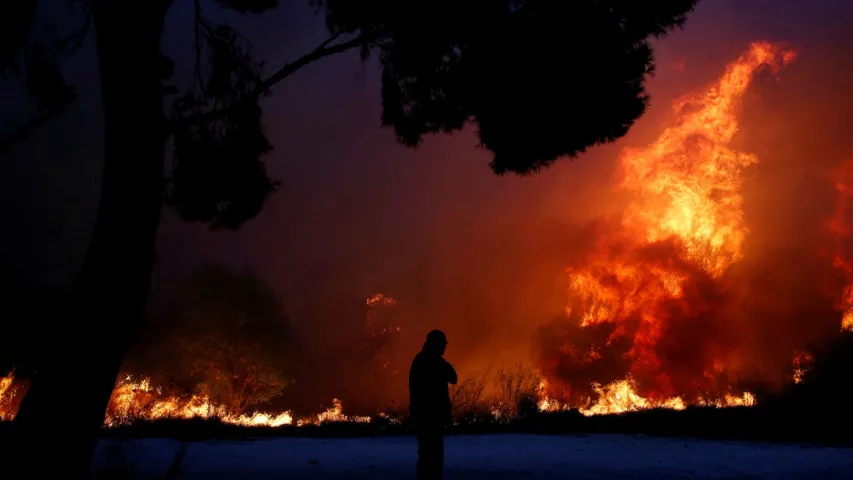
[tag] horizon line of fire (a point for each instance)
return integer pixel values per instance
(138, 400)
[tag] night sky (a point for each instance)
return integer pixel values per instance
(356, 213)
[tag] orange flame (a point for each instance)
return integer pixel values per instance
(801, 364)
(683, 226)
(9, 396)
(669, 252)
(136, 399)
(133, 400)
(688, 181)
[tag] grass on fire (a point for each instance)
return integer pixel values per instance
(816, 411)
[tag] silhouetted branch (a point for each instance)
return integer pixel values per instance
(61, 48)
(197, 30)
(320, 52)
(325, 49)
(74, 41)
(26, 129)
(329, 41)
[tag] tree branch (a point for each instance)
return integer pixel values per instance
(32, 125)
(197, 31)
(67, 46)
(74, 41)
(324, 50)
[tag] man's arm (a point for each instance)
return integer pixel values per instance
(451, 374)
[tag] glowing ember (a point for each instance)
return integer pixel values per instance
(375, 305)
(379, 300)
(380, 326)
(801, 364)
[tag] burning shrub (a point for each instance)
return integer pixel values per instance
(467, 399)
(498, 396)
(515, 385)
(237, 384)
(130, 401)
(381, 327)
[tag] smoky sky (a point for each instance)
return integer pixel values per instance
(467, 251)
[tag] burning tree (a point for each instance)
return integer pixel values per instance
(657, 275)
(234, 380)
(228, 335)
(381, 328)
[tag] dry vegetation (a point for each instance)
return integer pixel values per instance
(494, 395)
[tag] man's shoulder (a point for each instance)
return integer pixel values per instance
(423, 358)
(418, 360)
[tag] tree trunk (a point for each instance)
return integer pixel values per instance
(59, 420)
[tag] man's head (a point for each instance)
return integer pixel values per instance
(436, 342)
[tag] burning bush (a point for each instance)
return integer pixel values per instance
(515, 385)
(495, 396)
(468, 398)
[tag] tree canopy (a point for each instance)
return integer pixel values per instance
(538, 79)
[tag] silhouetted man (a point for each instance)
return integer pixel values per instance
(429, 403)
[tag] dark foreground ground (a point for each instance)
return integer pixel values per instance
(698, 443)
(497, 456)
(806, 425)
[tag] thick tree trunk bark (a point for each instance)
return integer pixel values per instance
(59, 420)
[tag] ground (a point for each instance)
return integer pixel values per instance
(518, 456)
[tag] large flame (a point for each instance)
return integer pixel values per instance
(688, 181)
(661, 266)
(840, 229)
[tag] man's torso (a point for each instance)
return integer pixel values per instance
(429, 394)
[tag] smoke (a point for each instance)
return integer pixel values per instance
(676, 321)
(485, 258)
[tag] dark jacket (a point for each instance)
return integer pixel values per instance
(429, 396)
